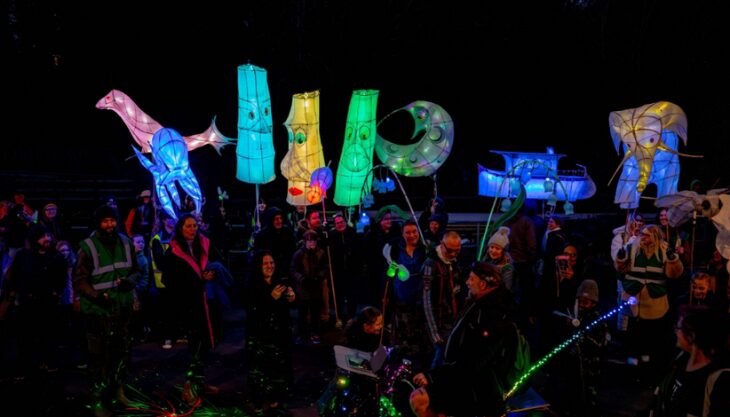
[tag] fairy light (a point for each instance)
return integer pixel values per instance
(540, 363)
(387, 409)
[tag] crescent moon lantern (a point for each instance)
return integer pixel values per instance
(423, 158)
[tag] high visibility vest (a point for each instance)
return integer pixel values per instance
(155, 270)
(108, 267)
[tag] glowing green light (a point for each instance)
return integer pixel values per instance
(356, 159)
(540, 363)
(387, 409)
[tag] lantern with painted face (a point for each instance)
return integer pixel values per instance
(356, 159)
(255, 149)
(435, 133)
(650, 136)
(305, 149)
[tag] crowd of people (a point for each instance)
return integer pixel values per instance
(403, 282)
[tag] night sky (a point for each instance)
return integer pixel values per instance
(513, 76)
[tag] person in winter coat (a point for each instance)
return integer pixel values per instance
(185, 274)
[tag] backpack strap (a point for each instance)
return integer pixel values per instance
(709, 386)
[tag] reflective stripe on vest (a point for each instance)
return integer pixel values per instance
(99, 270)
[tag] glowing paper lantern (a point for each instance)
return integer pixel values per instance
(142, 126)
(319, 184)
(435, 133)
(538, 173)
(171, 166)
(305, 149)
(255, 149)
(650, 140)
(356, 159)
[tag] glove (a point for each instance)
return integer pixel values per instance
(125, 285)
(621, 254)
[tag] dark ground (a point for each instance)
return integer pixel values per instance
(159, 375)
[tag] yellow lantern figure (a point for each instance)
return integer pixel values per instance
(305, 148)
(650, 140)
(356, 159)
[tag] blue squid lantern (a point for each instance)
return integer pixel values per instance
(171, 166)
(255, 149)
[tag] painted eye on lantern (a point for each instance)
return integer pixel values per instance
(291, 137)
(364, 133)
(300, 137)
(266, 111)
(251, 115)
(348, 133)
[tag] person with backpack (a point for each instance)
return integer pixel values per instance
(479, 357)
(698, 381)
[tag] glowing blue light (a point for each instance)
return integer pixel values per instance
(632, 301)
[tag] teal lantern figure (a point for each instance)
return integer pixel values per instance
(255, 150)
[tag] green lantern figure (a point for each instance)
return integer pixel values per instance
(356, 159)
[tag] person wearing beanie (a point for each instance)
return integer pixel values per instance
(435, 230)
(106, 273)
(141, 218)
(498, 256)
(309, 271)
(35, 281)
(51, 219)
(576, 371)
(470, 379)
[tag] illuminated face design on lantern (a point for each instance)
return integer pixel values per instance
(305, 149)
(255, 149)
(356, 159)
(435, 131)
(171, 166)
(650, 140)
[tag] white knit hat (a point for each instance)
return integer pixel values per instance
(588, 289)
(501, 238)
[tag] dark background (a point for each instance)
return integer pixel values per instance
(513, 75)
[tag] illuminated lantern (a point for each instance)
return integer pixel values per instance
(538, 173)
(255, 149)
(142, 126)
(171, 166)
(356, 159)
(319, 184)
(650, 140)
(305, 149)
(435, 133)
